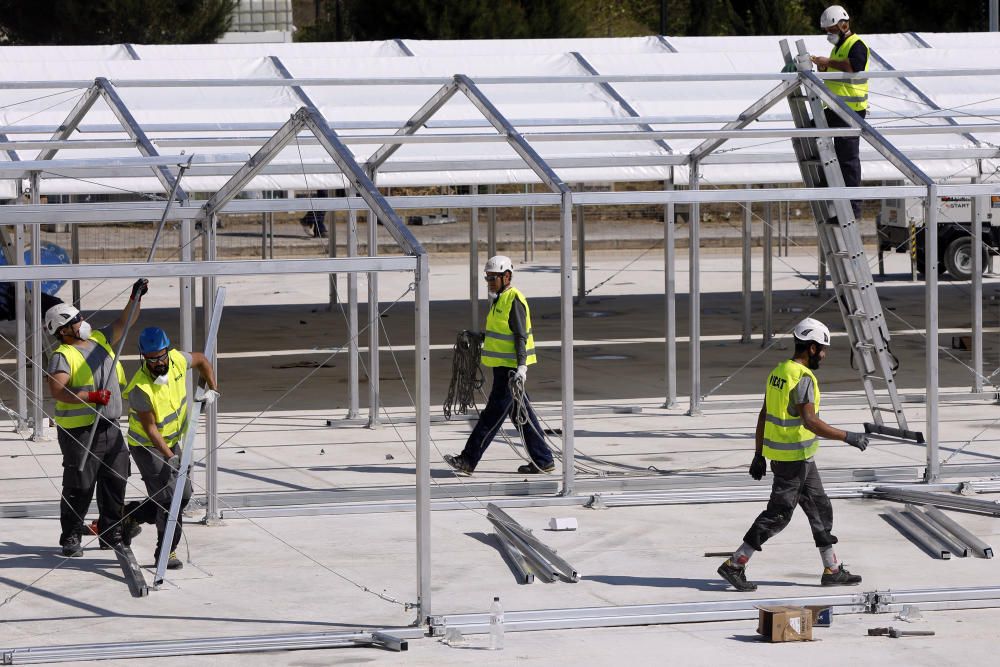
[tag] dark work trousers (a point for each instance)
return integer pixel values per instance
(499, 406)
(106, 471)
(795, 483)
(849, 155)
(160, 479)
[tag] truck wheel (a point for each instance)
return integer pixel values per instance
(958, 258)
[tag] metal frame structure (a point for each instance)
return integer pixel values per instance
(365, 196)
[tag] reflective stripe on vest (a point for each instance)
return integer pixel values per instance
(498, 345)
(169, 403)
(853, 91)
(81, 378)
(785, 436)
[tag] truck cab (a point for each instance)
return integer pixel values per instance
(900, 228)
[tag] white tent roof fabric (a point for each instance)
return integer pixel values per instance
(532, 107)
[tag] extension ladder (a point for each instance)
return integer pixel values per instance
(840, 242)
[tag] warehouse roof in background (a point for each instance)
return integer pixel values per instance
(235, 120)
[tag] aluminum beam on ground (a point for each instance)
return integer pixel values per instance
(954, 546)
(929, 543)
(391, 638)
(938, 595)
(981, 549)
(516, 559)
(547, 552)
(543, 570)
(244, 267)
(680, 612)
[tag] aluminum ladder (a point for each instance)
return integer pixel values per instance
(840, 242)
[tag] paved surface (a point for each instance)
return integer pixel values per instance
(302, 574)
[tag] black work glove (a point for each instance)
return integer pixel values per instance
(859, 440)
(139, 288)
(758, 467)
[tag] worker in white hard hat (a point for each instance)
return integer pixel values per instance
(788, 433)
(849, 54)
(87, 387)
(508, 348)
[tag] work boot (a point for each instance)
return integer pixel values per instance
(532, 469)
(736, 576)
(460, 465)
(71, 546)
(130, 528)
(173, 562)
(839, 578)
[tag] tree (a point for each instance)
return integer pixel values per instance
(114, 21)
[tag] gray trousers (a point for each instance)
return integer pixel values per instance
(795, 483)
(159, 479)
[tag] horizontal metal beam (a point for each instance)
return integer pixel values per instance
(936, 499)
(25, 167)
(240, 267)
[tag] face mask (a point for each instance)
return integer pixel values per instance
(161, 379)
(84, 331)
(833, 37)
(493, 295)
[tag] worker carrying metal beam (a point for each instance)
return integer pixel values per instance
(788, 432)
(86, 383)
(157, 416)
(508, 348)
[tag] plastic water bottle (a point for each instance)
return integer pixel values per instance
(496, 625)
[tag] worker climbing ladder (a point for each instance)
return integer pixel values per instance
(840, 242)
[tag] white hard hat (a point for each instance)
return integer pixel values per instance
(499, 264)
(813, 331)
(58, 315)
(833, 15)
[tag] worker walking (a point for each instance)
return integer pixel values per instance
(508, 348)
(87, 386)
(788, 432)
(849, 54)
(157, 417)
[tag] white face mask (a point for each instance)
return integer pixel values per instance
(493, 295)
(84, 331)
(833, 37)
(161, 379)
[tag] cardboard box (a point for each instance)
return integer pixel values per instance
(785, 623)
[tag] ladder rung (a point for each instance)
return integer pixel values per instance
(858, 315)
(875, 377)
(864, 346)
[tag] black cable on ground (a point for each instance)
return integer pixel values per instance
(466, 374)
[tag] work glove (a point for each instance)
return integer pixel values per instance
(207, 396)
(859, 440)
(174, 462)
(101, 396)
(758, 467)
(139, 288)
(522, 373)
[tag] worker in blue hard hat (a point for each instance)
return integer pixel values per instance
(157, 418)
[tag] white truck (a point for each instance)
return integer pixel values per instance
(901, 222)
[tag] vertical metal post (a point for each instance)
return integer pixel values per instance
(423, 463)
(525, 236)
(581, 255)
(331, 239)
(74, 258)
(566, 324)
(353, 400)
(211, 411)
(821, 270)
(977, 291)
(768, 276)
(747, 271)
(492, 224)
(37, 385)
(263, 235)
(933, 472)
(670, 299)
(694, 289)
(185, 287)
(373, 325)
(474, 277)
(994, 16)
(21, 333)
(786, 208)
(532, 230)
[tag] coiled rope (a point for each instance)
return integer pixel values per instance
(466, 374)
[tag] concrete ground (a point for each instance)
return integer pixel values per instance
(281, 381)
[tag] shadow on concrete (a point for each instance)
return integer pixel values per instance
(676, 582)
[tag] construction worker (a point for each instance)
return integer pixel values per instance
(157, 416)
(849, 54)
(87, 387)
(788, 432)
(508, 348)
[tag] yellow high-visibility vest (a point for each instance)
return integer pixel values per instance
(169, 403)
(852, 91)
(785, 437)
(498, 347)
(81, 378)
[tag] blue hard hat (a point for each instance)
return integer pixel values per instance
(153, 339)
